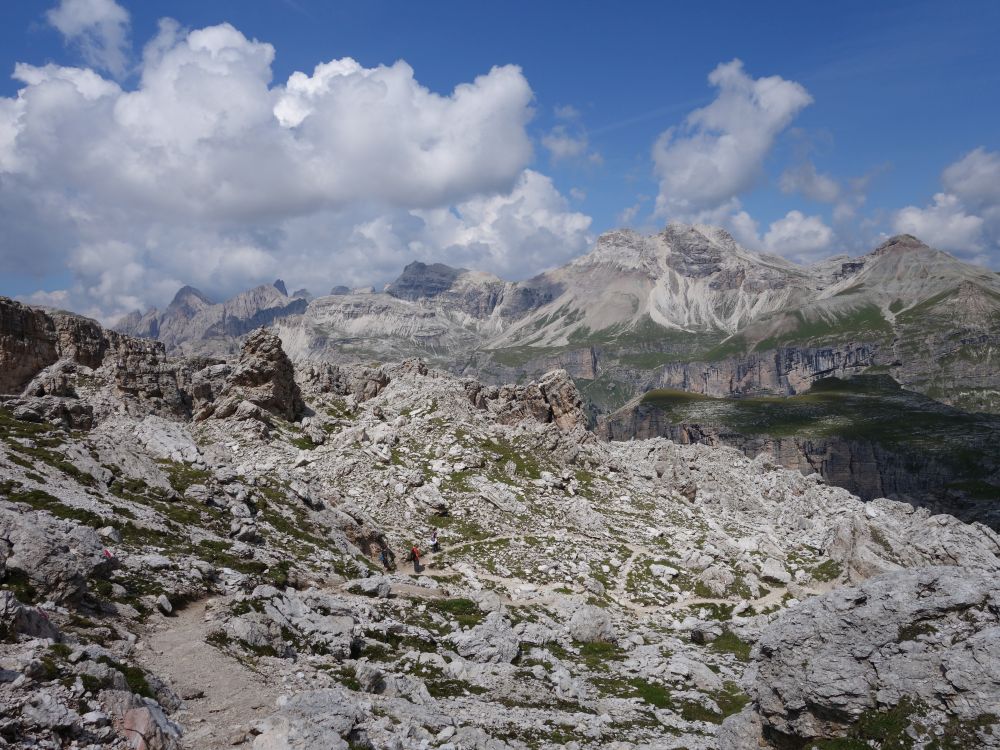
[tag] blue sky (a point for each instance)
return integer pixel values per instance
(841, 123)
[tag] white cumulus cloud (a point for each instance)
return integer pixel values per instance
(943, 224)
(532, 227)
(975, 179)
(100, 28)
(799, 237)
(207, 172)
(964, 218)
(719, 151)
(795, 236)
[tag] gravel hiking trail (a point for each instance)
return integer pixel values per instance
(222, 697)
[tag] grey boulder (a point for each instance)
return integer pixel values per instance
(310, 720)
(928, 638)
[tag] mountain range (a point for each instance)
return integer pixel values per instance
(687, 308)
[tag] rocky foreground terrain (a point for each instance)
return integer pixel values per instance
(191, 550)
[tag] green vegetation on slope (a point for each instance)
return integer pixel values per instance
(864, 324)
(869, 408)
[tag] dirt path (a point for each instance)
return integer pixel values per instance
(233, 696)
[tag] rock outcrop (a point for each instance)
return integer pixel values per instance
(56, 557)
(19, 619)
(310, 720)
(492, 641)
(920, 648)
(45, 355)
(263, 380)
(554, 398)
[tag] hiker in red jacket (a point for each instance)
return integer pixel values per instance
(415, 555)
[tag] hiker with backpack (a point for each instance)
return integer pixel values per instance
(386, 557)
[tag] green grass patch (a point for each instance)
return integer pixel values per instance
(182, 476)
(134, 676)
(41, 500)
(864, 324)
(464, 611)
(828, 570)
(598, 654)
(730, 643)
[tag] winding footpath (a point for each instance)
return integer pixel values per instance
(222, 697)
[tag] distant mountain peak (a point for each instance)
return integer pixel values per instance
(189, 298)
(900, 243)
(422, 280)
(695, 253)
(280, 286)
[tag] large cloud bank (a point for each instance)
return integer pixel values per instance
(207, 172)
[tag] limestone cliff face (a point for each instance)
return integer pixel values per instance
(784, 371)
(31, 339)
(27, 344)
(787, 370)
(864, 467)
(36, 345)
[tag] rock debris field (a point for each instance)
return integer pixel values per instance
(191, 555)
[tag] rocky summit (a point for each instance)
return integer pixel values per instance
(212, 552)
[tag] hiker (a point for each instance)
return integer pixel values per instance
(386, 557)
(415, 556)
(435, 545)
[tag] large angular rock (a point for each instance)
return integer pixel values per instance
(492, 641)
(431, 497)
(375, 586)
(43, 711)
(148, 728)
(310, 720)
(167, 440)
(590, 624)
(57, 556)
(17, 618)
(70, 413)
(563, 399)
(264, 377)
(928, 637)
(142, 721)
(372, 679)
(314, 621)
